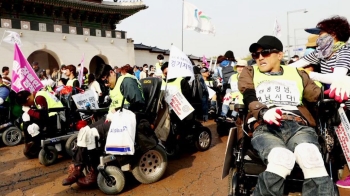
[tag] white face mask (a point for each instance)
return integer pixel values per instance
(160, 61)
(64, 71)
(146, 69)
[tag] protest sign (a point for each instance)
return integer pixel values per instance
(343, 134)
(23, 75)
(179, 64)
(85, 100)
(178, 103)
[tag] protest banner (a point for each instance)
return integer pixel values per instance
(85, 100)
(179, 64)
(343, 134)
(178, 103)
(23, 75)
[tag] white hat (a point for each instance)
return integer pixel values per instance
(240, 63)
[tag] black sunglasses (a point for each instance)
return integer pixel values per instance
(264, 53)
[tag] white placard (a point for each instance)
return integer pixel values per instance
(211, 92)
(179, 65)
(81, 100)
(178, 103)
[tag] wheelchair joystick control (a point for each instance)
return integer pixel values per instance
(88, 106)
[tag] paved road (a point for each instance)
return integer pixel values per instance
(195, 173)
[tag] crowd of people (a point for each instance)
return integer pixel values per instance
(273, 92)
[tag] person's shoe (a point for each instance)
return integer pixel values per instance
(74, 173)
(344, 183)
(89, 180)
(27, 147)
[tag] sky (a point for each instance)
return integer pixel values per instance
(238, 23)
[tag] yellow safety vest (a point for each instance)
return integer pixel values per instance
(279, 90)
(52, 101)
(235, 93)
(209, 83)
(116, 94)
(86, 81)
(176, 84)
(71, 82)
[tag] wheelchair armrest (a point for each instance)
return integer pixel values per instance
(93, 111)
(60, 109)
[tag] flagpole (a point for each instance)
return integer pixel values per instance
(182, 27)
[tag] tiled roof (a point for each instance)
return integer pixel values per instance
(119, 8)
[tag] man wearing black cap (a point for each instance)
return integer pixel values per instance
(282, 132)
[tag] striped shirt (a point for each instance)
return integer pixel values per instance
(341, 58)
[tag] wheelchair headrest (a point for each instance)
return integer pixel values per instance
(151, 91)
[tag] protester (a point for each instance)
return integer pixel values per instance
(283, 133)
(158, 65)
(62, 72)
(233, 94)
(34, 121)
(5, 71)
(137, 72)
(47, 82)
(54, 75)
(36, 68)
(71, 73)
(212, 84)
(332, 52)
(94, 86)
(48, 73)
(126, 86)
(5, 82)
(143, 74)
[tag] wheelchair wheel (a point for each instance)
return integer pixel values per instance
(49, 156)
(151, 166)
(173, 151)
(118, 181)
(203, 139)
(232, 182)
(12, 136)
(71, 145)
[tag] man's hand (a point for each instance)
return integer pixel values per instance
(25, 109)
(340, 89)
(273, 116)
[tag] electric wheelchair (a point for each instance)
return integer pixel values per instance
(149, 162)
(246, 165)
(56, 135)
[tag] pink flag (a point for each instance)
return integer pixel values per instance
(204, 60)
(23, 75)
(81, 71)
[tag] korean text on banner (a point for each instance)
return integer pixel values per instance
(179, 64)
(343, 134)
(179, 104)
(84, 100)
(12, 38)
(23, 75)
(195, 19)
